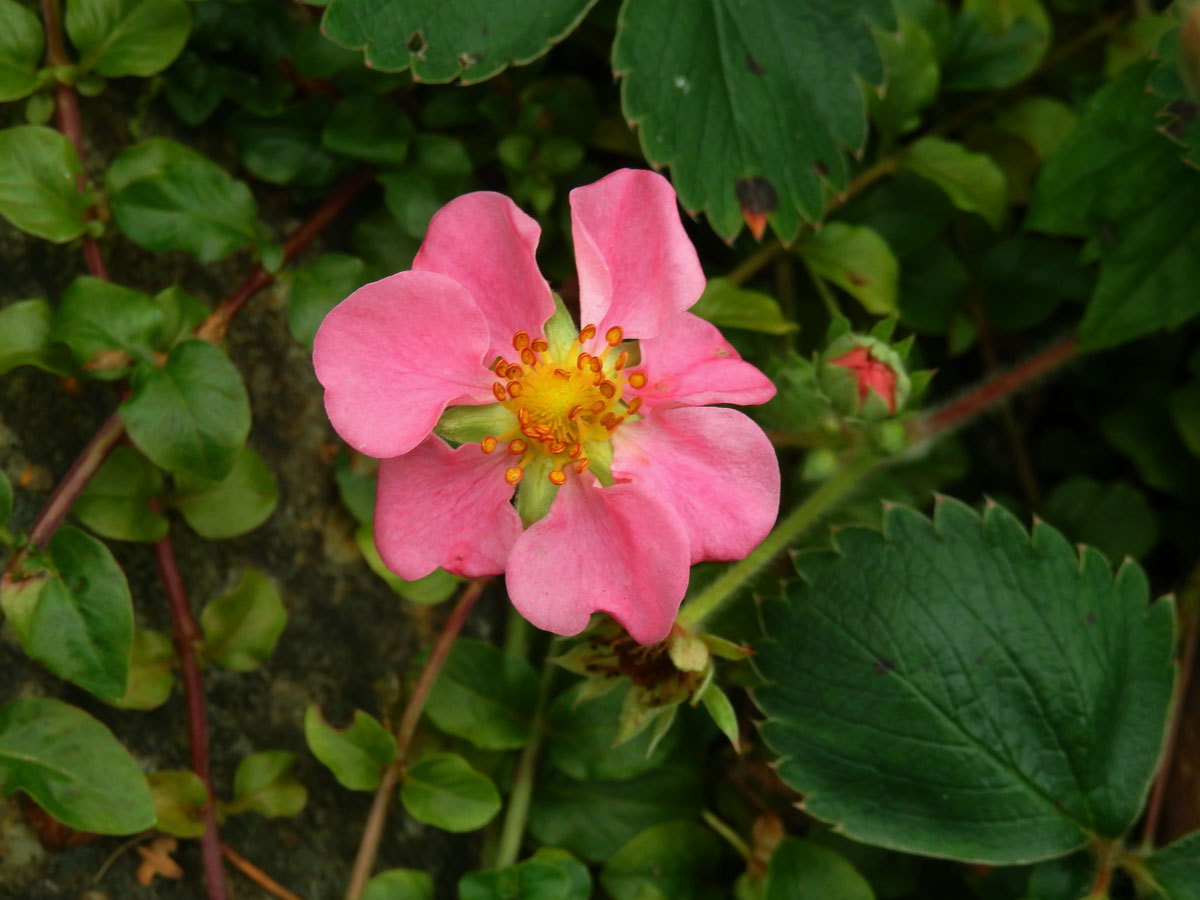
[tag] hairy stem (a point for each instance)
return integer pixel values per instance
(186, 636)
(368, 847)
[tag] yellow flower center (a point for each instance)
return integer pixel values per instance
(561, 402)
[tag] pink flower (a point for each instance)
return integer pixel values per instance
(626, 476)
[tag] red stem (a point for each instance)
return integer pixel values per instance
(186, 636)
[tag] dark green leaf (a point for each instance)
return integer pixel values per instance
(178, 798)
(1044, 123)
(262, 785)
(76, 617)
(443, 790)
(1143, 431)
(181, 312)
(167, 197)
(447, 39)
(972, 181)
(1184, 403)
(73, 767)
(150, 671)
(238, 503)
(856, 259)
(96, 315)
(802, 870)
(728, 306)
(21, 46)
(399, 884)
(6, 500)
(484, 695)
(127, 37)
(679, 859)
(995, 44)
(936, 654)
(192, 415)
(368, 128)
(1116, 517)
(544, 876)
(1024, 278)
(1176, 868)
(766, 94)
(38, 191)
(910, 60)
(26, 338)
(357, 755)
(242, 627)
(116, 502)
(318, 287)
(286, 148)
(434, 176)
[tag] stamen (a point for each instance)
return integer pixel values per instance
(517, 447)
(612, 426)
(520, 340)
(513, 372)
(558, 447)
(596, 365)
(573, 412)
(562, 373)
(588, 332)
(523, 416)
(581, 466)
(500, 366)
(488, 444)
(527, 357)
(637, 380)
(599, 406)
(513, 475)
(575, 450)
(514, 389)
(540, 346)
(498, 390)
(558, 477)
(608, 389)
(614, 335)
(634, 405)
(621, 360)
(582, 361)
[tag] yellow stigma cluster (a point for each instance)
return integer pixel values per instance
(562, 402)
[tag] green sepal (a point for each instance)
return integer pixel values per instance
(536, 491)
(471, 424)
(178, 798)
(600, 454)
(560, 329)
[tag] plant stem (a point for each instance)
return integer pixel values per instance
(373, 830)
(817, 504)
(257, 875)
(731, 837)
(750, 266)
(823, 291)
(186, 636)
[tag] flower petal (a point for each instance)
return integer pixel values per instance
(713, 466)
(441, 507)
(637, 268)
(690, 364)
(485, 243)
(394, 354)
(617, 550)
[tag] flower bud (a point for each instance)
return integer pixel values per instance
(864, 377)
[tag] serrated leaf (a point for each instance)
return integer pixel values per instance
(766, 94)
(678, 859)
(262, 785)
(127, 37)
(446, 39)
(399, 884)
(443, 790)
(972, 181)
(167, 197)
(26, 338)
(21, 45)
(38, 189)
(727, 305)
(179, 795)
(435, 587)
(963, 632)
(368, 128)
(150, 671)
(95, 316)
(803, 870)
(242, 627)
(192, 415)
(318, 287)
(995, 44)
(75, 617)
(484, 695)
(1176, 868)
(238, 503)
(116, 501)
(858, 260)
(73, 767)
(356, 755)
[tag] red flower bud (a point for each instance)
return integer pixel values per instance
(870, 374)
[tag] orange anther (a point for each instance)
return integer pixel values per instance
(581, 466)
(523, 416)
(621, 360)
(637, 380)
(514, 388)
(498, 390)
(527, 357)
(488, 444)
(634, 406)
(513, 372)
(517, 447)
(614, 335)
(562, 373)
(607, 418)
(608, 389)
(573, 412)
(559, 478)
(598, 379)
(595, 364)
(612, 426)
(582, 361)
(575, 450)
(520, 340)
(589, 332)
(500, 366)
(528, 431)
(599, 406)
(513, 475)
(540, 346)
(558, 447)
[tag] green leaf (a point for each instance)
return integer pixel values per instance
(802, 870)
(368, 128)
(722, 712)
(242, 627)
(21, 45)
(1042, 122)
(75, 616)
(991, 657)
(443, 790)
(38, 191)
(97, 316)
(262, 785)
(434, 176)
(728, 306)
(116, 501)
(856, 259)
(167, 197)
(192, 415)
(435, 587)
(238, 503)
(1184, 403)
(1121, 184)
(447, 39)
(972, 181)
(763, 96)
(26, 338)
(679, 859)
(318, 287)
(1176, 868)
(181, 312)
(150, 671)
(548, 875)
(484, 695)
(73, 767)
(286, 148)
(6, 500)
(1116, 517)
(910, 60)
(995, 44)
(357, 755)
(399, 884)
(179, 796)
(127, 37)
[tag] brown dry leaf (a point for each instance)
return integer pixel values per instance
(156, 860)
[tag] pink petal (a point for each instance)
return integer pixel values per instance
(637, 268)
(713, 466)
(618, 550)
(441, 507)
(486, 244)
(690, 364)
(394, 354)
